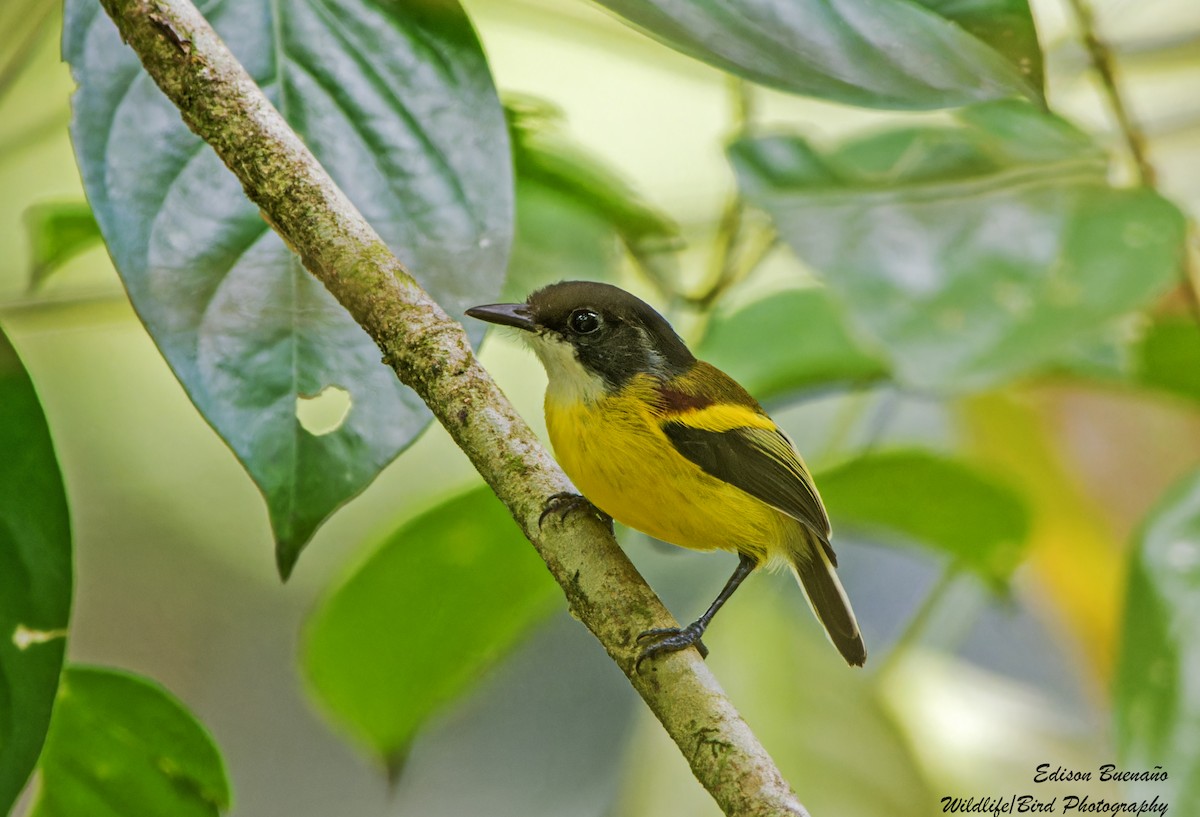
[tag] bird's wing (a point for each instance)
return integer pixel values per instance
(736, 442)
(762, 462)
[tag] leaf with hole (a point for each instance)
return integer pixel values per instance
(935, 502)
(396, 101)
(1155, 691)
(872, 53)
(972, 253)
(441, 600)
(785, 342)
(121, 745)
(35, 575)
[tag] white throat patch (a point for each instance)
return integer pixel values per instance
(569, 381)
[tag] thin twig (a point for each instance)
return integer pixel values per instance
(1102, 61)
(429, 352)
(727, 265)
(1101, 55)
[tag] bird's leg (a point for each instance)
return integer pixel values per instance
(564, 502)
(672, 639)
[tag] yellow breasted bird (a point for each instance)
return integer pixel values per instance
(674, 447)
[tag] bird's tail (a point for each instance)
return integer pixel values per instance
(813, 563)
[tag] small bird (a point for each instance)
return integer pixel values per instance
(674, 447)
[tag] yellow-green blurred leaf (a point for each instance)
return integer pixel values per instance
(947, 505)
(785, 342)
(57, 232)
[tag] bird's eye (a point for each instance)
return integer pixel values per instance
(583, 321)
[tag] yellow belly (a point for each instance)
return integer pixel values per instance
(619, 459)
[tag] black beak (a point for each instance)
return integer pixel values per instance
(517, 315)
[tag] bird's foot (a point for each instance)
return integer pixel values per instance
(565, 502)
(670, 639)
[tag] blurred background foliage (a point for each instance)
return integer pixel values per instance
(975, 318)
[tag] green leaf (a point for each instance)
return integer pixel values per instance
(396, 101)
(35, 575)
(1167, 357)
(872, 53)
(443, 598)
(57, 233)
(933, 501)
(972, 253)
(787, 341)
(572, 210)
(122, 745)
(1005, 25)
(1157, 698)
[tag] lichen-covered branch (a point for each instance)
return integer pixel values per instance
(430, 353)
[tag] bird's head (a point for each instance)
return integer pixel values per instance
(592, 338)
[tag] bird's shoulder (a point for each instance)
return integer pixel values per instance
(704, 387)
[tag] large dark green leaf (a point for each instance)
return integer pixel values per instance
(35, 575)
(396, 101)
(968, 253)
(1157, 698)
(787, 341)
(417, 623)
(874, 53)
(933, 501)
(120, 745)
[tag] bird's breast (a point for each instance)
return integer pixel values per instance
(617, 455)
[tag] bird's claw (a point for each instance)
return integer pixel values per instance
(670, 639)
(565, 502)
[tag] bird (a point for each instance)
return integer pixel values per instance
(672, 446)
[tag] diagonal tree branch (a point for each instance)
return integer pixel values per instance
(430, 353)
